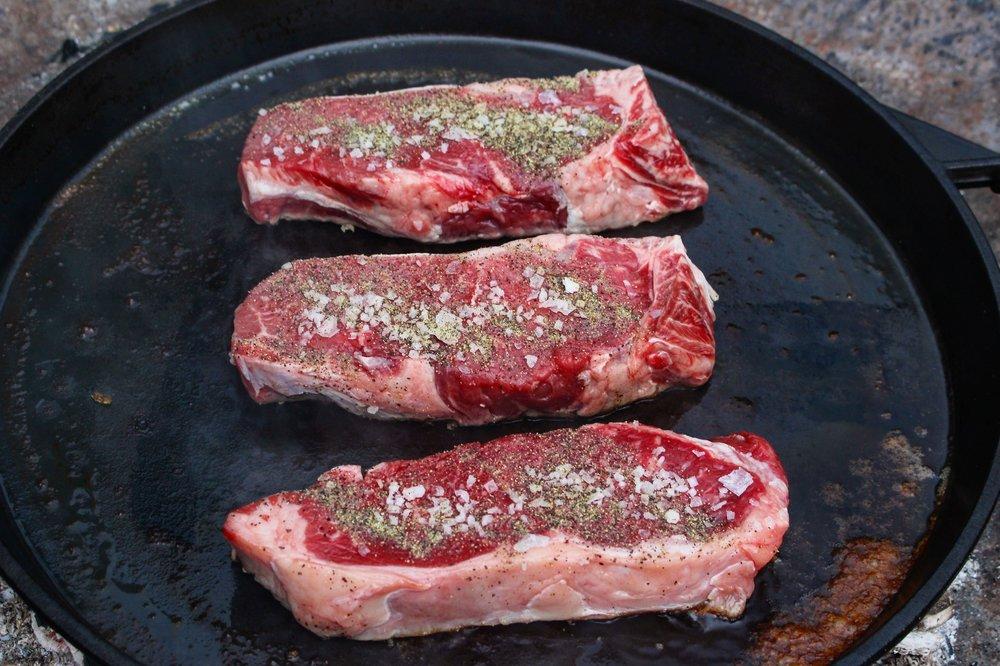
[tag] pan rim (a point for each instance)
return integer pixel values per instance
(63, 618)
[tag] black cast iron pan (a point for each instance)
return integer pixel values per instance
(858, 328)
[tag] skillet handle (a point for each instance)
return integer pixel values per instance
(968, 164)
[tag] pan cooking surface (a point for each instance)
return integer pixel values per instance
(125, 296)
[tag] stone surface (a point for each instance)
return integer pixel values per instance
(939, 61)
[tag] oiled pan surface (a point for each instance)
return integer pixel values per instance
(125, 296)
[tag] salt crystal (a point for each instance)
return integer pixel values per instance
(549, 97)
(570, 285)
(737, 481)
(413, 492)
(530, 541)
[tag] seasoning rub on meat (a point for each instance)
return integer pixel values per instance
(515, 157)
(606, 520)
(558, 324)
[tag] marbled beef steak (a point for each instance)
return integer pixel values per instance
(557, 324)
(444, 163)
(606, 520)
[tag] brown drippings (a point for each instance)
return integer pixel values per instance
(833, 494)
(906, 458)
(826, 623)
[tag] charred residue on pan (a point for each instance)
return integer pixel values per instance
(824, 624)
(868, 571)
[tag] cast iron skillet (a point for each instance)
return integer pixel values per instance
(859, 303)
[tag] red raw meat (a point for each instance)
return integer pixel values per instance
(515, 157)
(558, 324)
(606, 520)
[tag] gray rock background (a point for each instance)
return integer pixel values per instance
(939, 61)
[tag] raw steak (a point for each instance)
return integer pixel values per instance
(443, 163)
(558, 324)
(606, 520)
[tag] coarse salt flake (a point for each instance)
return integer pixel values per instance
(447, 326)
(549, 97)
(531, 360)
(737, 481)
(570, 285)
(413, 492)
(530, 541)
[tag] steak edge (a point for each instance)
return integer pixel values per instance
(515, 157)
(557, 324)
(598, 522)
